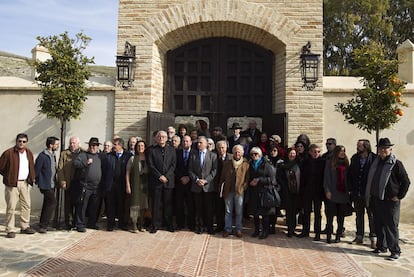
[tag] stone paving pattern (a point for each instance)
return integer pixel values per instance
(120, 253)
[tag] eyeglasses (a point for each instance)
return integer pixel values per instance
(254, 154)
(22, 141)
(329, 143)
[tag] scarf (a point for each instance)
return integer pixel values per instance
(340, 176)
(257, 163)
(236, 164)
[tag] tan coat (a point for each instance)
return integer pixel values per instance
(66, 171)
(227, 177)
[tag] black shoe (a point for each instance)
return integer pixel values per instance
(272, 230)
(219, 230)
(263, 235)
(171, 229)
(27, 231)
(255, 234)
(51, 229)
(153, 230)
(210, 231)
(379, 250)
(289, 235)
(317, 237)
(110, 228)
(81, 229)
(303, 235)
(199, 231)
(11, 235)
(96, 227)
(394, 256)
(42, 230)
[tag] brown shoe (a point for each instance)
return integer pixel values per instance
(239, 234)
(373, 244)
(11, 235)
(225, 234)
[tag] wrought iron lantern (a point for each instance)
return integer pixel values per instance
(309, 63)
(125, 65)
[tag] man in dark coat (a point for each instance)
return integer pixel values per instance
(183, 195)
(87, 186)
(235, 138)
(202, 169)
(161, 164)
(115, 184)
(387, 184)
(46, 167)
(311, 190)
(219, 208)
(357, 181)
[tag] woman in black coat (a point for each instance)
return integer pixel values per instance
(261, 174)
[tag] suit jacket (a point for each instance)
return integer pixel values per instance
(207, 172)
(161, 161)
(181, 168)
(220, 163)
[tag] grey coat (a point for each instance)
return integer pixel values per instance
(329, 185)
(207, 172)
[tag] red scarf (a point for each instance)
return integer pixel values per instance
(340, 175)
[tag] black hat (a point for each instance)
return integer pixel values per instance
(384, 142)
(94, 141)
(236, 126)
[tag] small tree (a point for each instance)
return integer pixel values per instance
(62, 78)
(62, 81)
(378, 105)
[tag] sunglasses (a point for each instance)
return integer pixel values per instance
(329, 143)
(22, 141)
(254, 154)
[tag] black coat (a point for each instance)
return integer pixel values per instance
(161, 161)
(311, 183)
(266, 175)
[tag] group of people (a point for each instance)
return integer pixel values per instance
(208, 183)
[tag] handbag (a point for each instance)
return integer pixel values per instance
(270, 197)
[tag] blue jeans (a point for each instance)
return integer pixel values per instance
(235, 200)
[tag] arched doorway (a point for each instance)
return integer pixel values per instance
(219, 78)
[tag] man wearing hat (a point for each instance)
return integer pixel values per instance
(88, 181)
(387, 184)
(235, 138)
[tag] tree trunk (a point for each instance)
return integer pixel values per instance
(377, 134)
(59, 212)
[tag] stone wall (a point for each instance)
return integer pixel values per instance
(158, 26)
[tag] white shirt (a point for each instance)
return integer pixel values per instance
(23, 166)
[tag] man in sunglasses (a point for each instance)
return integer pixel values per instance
(17, 168)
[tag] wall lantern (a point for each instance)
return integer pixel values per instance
(309, 64)
(125, 65)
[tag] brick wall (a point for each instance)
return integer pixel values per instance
(158, 26)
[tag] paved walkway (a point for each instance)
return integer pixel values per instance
(120, 253)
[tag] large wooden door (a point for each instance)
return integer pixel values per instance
(158, 121)
(219, 78)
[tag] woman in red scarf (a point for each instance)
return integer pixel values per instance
(336, 191)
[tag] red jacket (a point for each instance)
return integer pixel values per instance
(9, 167)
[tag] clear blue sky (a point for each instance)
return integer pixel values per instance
(21, 21)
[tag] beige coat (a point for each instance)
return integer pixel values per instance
(228, 180)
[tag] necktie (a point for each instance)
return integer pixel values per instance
(202, 155)
(185, 155)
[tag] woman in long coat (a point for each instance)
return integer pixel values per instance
(137, 186)
(336, 191)
(261, 174)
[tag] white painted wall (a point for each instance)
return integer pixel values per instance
(19, 114)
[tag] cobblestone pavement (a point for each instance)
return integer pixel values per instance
(120, 253)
